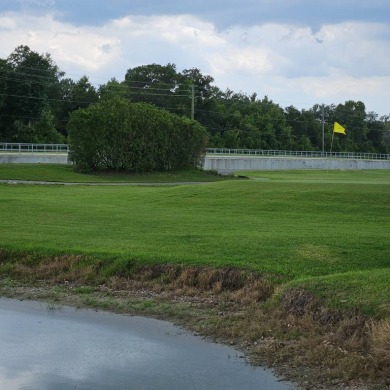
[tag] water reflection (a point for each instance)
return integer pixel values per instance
(69, 349)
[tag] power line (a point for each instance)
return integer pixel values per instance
(148, 85)
(146, 90)
(226, 115)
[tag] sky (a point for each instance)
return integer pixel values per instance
(297, 52)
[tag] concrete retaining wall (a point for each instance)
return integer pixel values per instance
(33, 158)
(225, 164)
(230, 164)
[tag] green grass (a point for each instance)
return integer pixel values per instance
(66, 173)
(322, 176)
(330, 237)
(367, 290)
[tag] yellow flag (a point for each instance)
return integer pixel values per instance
(338, 128)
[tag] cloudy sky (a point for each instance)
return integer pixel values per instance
(297, 52)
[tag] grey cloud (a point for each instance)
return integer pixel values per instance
(222, 13)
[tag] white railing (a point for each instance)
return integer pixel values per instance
(294, 153)
(9, 147)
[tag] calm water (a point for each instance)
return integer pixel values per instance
(43, 349)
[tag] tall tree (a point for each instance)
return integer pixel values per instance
(352, 115)
(32, 86)
(82, 94)
(199, 87)
(5, 70)
(73, 95)
(33, 79)
(113, 88)
(376, 133)
(154, 84)
(306, 128)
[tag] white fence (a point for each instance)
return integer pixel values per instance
(7, 147)
(298, 154)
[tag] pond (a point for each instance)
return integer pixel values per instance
(64, 348)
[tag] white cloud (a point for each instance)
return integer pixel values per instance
(7, 22)
(81, 49)
(289, 63)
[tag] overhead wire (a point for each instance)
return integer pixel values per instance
(148, 90)
(269, 119)
(61, 74)
(125, 84)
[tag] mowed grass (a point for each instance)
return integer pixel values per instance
(331, 238)
(66, 173)
(323, 176)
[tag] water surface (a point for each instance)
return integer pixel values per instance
(42, 349)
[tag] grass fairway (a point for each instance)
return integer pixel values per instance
(326, 231)
(322, 176)
(66, 173)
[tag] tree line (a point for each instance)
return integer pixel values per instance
(37, 102)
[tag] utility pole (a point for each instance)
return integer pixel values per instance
(192, 101)
(323, 129)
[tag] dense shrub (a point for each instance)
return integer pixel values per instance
(135, 137)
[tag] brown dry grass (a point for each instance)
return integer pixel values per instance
(298, 336)
(380, 347)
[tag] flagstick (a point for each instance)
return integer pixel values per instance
(331, 147)
(331, 144)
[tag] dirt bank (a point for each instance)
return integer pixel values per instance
(288, 331)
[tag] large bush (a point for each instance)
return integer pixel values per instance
(136, 137)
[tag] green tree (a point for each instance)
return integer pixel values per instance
(72, 95)
(36, 102)
(32, 85)
(376, 133)
(42, 131)
(5, 133)
(82, 94)
(167, 88)
(136, 137)
(271, 121)
(193, 81)
(45, 129)
(112, 89)
(154, 84)
(385, 120)
(352, 116)
(305, 128)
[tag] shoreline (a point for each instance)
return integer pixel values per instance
(268, 336)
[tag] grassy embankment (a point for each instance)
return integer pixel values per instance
(310, 236)
(65, 173)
